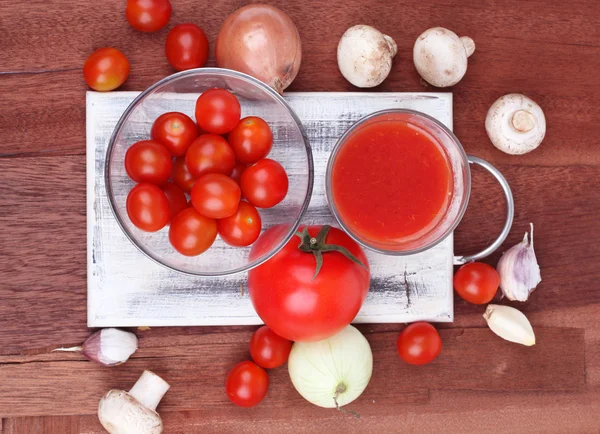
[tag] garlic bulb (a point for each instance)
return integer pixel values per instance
(109, 347)
(332, 372)
(510, 324)
(519, 271)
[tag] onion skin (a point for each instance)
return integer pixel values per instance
(261, 41)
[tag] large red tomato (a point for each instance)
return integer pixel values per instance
(295, 298)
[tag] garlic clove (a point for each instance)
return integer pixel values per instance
(510, 324)
(519, 271)
(108, 347)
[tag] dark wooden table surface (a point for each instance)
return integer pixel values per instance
(549, 50)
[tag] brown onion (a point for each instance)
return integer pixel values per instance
(261, 41)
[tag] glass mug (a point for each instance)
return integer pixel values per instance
(461, 182)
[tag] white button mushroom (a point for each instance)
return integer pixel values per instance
(134, 412)
(365, 55)
(515, 124)
(440, 56)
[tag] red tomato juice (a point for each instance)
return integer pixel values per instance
(391, 182)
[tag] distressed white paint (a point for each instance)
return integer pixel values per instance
(125, 288)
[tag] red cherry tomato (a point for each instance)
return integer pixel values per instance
(236, 174)
(246, 384)
(148, 207)
(476, 282)
(209, 154)
(419, 343)
(148, 161)
(186, 47)
(148, 15)
(242, 228)
(293, 302)
(216, 196)
(251, 140)
(265, 184)
(106, 69)
(191, 233)
(176, 198)
(176, 131)
(268, 349)
(218, 111)
(181, 176)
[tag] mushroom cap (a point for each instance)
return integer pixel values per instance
(365, 55)
(441, 57)
(515, 124)
(121, 413)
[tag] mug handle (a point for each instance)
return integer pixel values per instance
(510, 213)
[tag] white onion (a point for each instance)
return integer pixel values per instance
(332, 372)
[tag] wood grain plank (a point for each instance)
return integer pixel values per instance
(39, 388)
(448, 412)
(44, 280)
(45, 425)
(563, 81)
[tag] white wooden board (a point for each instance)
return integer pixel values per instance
(125, 288)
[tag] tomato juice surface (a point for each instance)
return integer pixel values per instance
(391, 182)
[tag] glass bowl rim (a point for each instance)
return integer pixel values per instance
(226, 73)
(346, 135)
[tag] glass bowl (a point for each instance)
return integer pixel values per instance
(179, 92)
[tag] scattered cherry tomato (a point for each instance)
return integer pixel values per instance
(293, 302)
(251, 140)
(216, 196)
(148, 207)
(246, 384)
(419, 343)
(209, 153)
(106, 69)
(148, 161)
(236, 174)
(265, 184)
(176, 131)
(148, 15)
(476, 282)
(242, 228)
(191, 233)
(176, 198)
(218, 111)
(186, 47)
(269, 350)
(181, 176)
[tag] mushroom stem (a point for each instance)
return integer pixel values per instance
(469, 45)
(523, 121)
(149, 389)
(392, 44)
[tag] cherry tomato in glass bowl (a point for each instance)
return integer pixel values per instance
(264, 184)
(148, 207)
(209, 153)
(218, 111)
(476, 282)
(148, 15)
(176, 198)
(106, 69)
(419, 343)
(176, 131)
(181, 176)
(251, 140)
(236, 174)
(216, 196)
(191, 233)
(242, 228)
(246, 384)
(186, 47)
(269, 350)
(148, 161)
